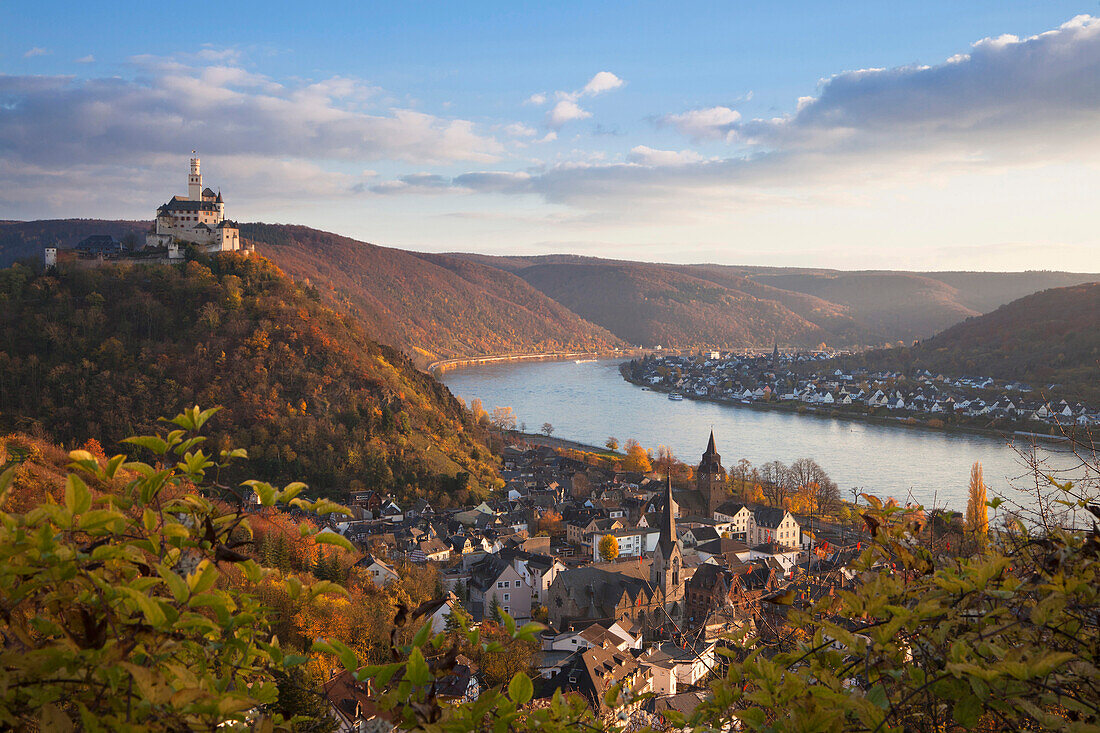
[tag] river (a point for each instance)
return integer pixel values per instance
(590, 401)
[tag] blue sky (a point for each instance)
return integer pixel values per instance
(851, 135)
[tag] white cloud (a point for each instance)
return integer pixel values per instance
(644, 155)
(222, 110)
(36, 51)
(714, 123)
(89, 59)
(566, 108)
(564, 111)
(603, 81)
(518, 129)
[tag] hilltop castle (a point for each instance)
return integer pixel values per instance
(198, 218)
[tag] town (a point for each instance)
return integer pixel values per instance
(638, 581)
(796, 381)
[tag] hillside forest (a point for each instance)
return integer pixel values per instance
(304, 390)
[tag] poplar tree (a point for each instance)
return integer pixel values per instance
(977, 518)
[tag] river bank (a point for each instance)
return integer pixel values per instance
(804, 410)
(441, 367)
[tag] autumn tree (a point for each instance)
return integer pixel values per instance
(504, 418)
(612, 443)
(609, 548)
(547, 429)
(637, 458)
(977, 517)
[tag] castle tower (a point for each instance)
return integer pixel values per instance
(666, 570)
(194, 181)
(710, 478)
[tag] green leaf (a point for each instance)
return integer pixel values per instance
(331, 538)
(322, 587)
(150, 442)
(520, 688)
(416, 671)
(203, 577)
(422, 634)
(967, 711)
(175, 583)
(78, 499)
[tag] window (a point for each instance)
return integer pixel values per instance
(506, 596)
(502, 584)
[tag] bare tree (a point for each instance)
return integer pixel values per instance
(775, 480)
(547, 429)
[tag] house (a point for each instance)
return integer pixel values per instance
(595, 671)
(350, 703)
(769, 523)
(538, 570)
(495, 580)
(710, 587)
(380, 573)
(439, 617)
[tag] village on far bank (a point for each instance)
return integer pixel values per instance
(794, 381)
(640, 576)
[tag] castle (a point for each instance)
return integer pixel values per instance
(198, 219)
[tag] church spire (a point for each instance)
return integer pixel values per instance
(711, 450)
(667, 538)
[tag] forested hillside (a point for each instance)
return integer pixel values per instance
(104, 352)
(649, 305)
(1051, 337)
(437, 306)
(432, 306)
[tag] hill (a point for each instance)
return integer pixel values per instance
(436, 306)
(26, 239)
(648, 305)
(432, 306)
(1050, 337)
(104, 352)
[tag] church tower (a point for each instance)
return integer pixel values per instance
(194, 181)
(710, 478)
(666, 570)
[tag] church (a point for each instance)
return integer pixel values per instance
(197, 219)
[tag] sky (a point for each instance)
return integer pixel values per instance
(851, 135)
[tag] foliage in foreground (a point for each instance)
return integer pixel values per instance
(138, 609)
(116, 610)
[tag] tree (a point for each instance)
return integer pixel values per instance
(637, 458)
(547, 429)
(612, 443)
(503, 418)
(609, 548)
(775, 479)
(480, 416)
(996, 641)
(977, 516)
(131, 605)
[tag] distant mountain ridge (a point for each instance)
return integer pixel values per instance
(437, 306)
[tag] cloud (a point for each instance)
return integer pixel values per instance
(566, 108)
(564, 111)
(603, 81)
(36, 51)
(643, 155)
(1005, 104)
(221, 110)
(89, 59)
(714, 123)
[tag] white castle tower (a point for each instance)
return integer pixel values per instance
(194, 181)
(198, 219)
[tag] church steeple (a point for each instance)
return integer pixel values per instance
(710, 477)
(667, 538)
(664, 570)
